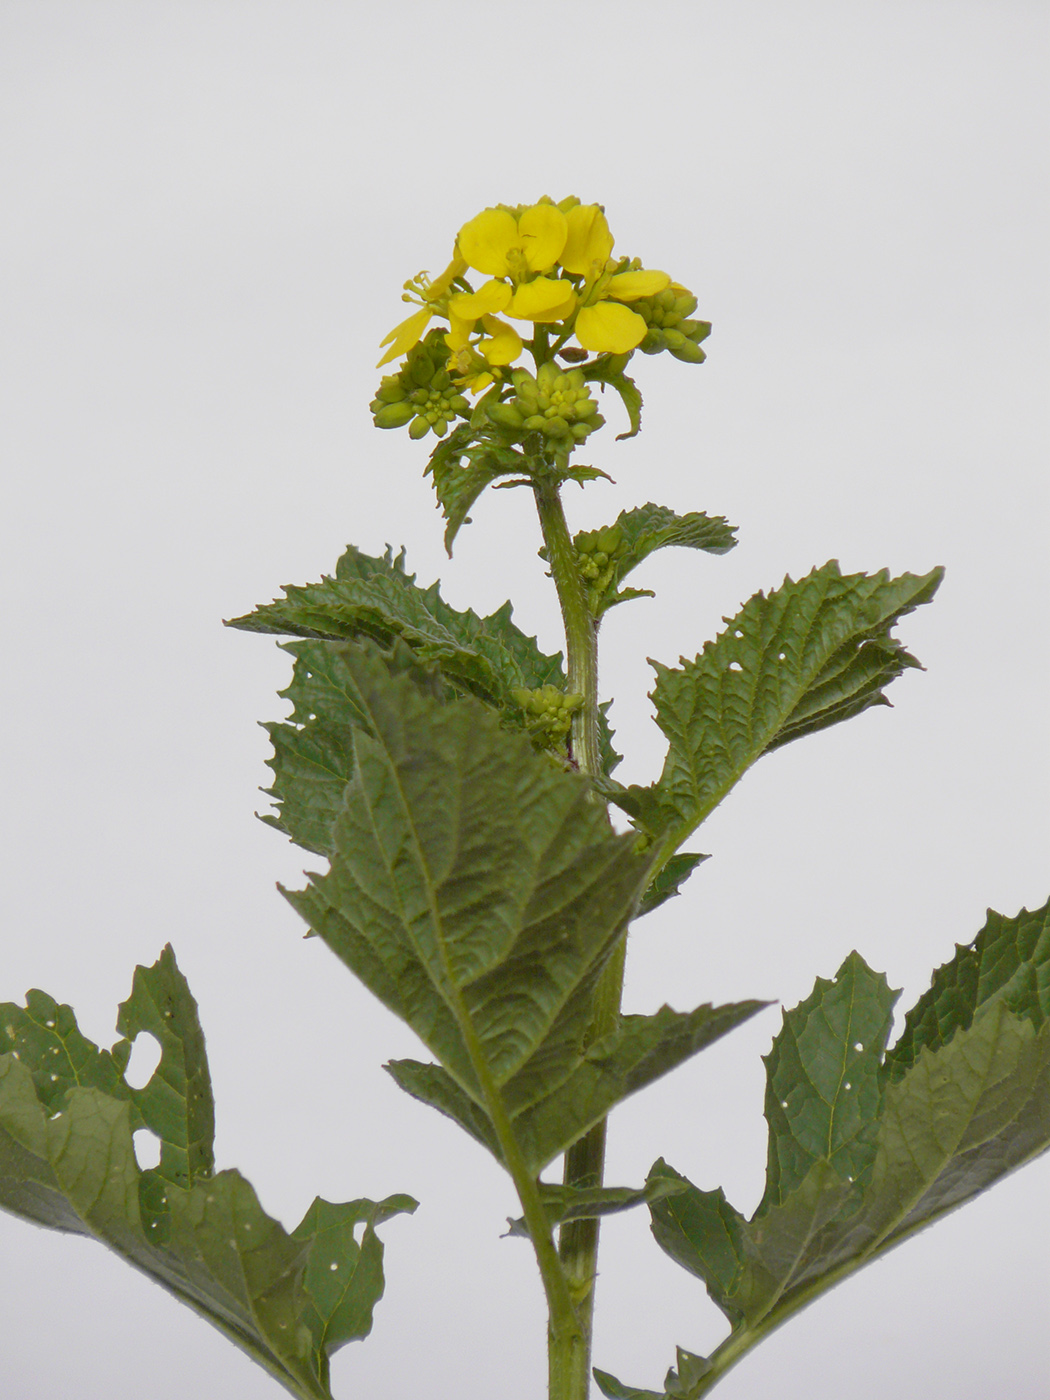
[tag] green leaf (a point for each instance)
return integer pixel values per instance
(810, 654)
(1009, 960)
(564, 1203)
(669, 880)
(599, 371)
(458, 486)
(177, 1102)
(961, 1101)
(684, 1384)
(374, 597)
(649, 528)
(313, 750)
(477, 890)
(640, 1050)
(824, 1079)
(67, 1161)
(703, 1233)
(343, 1278)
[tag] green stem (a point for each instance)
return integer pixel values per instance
(581, 632)
(570, 1363)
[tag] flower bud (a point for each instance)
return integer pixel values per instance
(394, 415)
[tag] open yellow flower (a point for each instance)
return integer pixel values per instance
(588, 243)
(607, 325)
(504, 245)
(408, 332)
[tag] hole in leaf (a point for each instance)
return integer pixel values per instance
(782, 656)
(847, 1085)
(735, 666)
(145, 1057)
(783, 1103)
(147, 1149)
(333, 1266)
(858, 1046)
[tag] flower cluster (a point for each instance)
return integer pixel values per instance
(554, 402)
(421, 395)
(548, 714)
(550, 285)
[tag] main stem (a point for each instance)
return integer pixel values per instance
(570, 1361)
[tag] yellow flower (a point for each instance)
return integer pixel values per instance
(589, 242)
(504, 245)
(408, 332)
(607, 325)
(477, 364)
(543, 299)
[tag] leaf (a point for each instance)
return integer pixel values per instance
(703, 1233)
(684, 1384)
(639, 1051)
(649, 528)
(564, 1203)
(1008, 960)
(600, 371)
(313, 750)
(343, 1278)
(824, 1079)
(177, 1103)
(374, 597)
(67, 1161)
(477, 890)
(810, 654)
(458, 486)
(669, 880)
(961, 1100)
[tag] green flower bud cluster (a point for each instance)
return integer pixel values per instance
(422, 394)
(667, 314)
(548, 714)
(556, 402)
(597, 552)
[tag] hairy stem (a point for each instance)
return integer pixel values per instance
(570, 1364)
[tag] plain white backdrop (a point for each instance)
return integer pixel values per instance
(208, 212)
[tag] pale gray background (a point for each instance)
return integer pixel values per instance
(208, 211)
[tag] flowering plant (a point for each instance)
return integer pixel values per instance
(460, 784)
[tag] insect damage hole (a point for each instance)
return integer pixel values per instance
(145, 1057)
(147, 1148)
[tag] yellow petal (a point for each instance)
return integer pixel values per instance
(404, 336)
(504, 344)
(471, 306)
(485, 242)
(456, 268)
(589, 241)
(629, 286)
(459, 331)
(610, 327)
(542, 231)
(543, 299)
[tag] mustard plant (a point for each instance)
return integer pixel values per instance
(460, 782)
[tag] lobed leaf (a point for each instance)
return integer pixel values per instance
(639, 1051)
(961, 1100)
(824, 1079)
(477, 890)
(375, 598)
(810, 654)
(1009, 960)
(565, 1203)
(649, 528)
(67, 1161)
(669, 879)
(458, 486)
